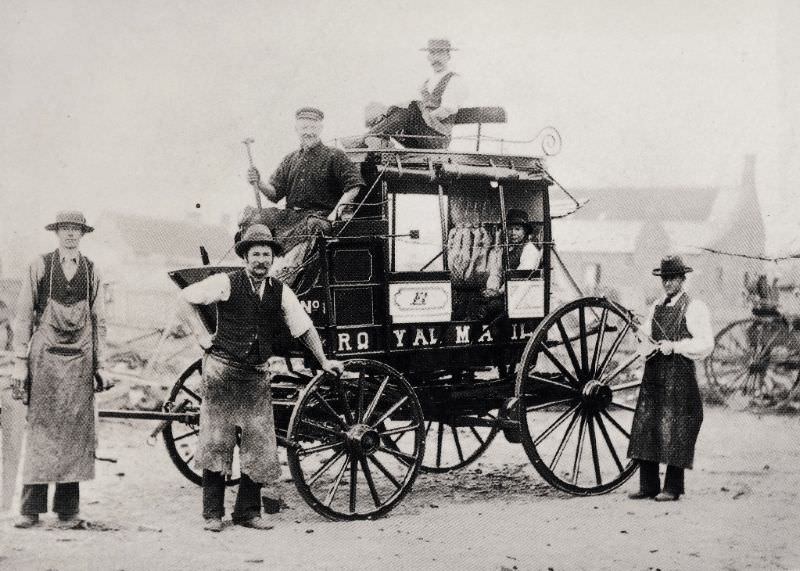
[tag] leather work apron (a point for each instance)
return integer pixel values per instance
(61, 423)
(237, 396)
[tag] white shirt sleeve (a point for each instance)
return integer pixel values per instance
(294, 315)
(454, 95)
(210, 290)
(529, 258)
(698, 322)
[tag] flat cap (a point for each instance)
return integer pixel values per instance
(309, 113)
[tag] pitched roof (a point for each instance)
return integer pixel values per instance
(148, 236)
(660, 203)
(596, 236)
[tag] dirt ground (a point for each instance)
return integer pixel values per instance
(740, 512)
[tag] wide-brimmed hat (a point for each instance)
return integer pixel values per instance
(439, 45)
(70, 217)
(519, 217)
(672, 266)
(309, 113)
(255, 235)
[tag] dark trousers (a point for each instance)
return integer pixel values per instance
(650, 483)
(248, 499)
(409, 122)
(65, 501)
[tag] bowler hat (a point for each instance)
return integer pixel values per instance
(309, 113)
(439, 45)
(519, 217)
(255, 235)
(672, 266)
(70, 217)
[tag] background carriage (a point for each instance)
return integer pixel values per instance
(756, 360)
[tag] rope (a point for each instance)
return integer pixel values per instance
(749, 256)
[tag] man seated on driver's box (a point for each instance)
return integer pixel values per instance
(253, 310)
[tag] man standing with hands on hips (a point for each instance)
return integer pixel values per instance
(670, 409)
(59, 340)
(253, 310)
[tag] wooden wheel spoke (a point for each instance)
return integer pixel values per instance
(576, 466)
(360, 396)
(622, 406)
(610, 445)
(619, 369)
(375, 399)
(613, 350)
(616, 424)
(348, 412)
(595, 456)
(439, 436)
(336, 483)
(370, 482)
(384, 471)
(598, 345)
(555, 424)
(400, 430)
(406, 459)
(583, 343)
(626, 386)
(570, 351)
(325, 467)
(458, 443)
(320, 426)
(191, 393)
(563, 444)
(186, 435)
(563, 370)
(326, 406)
(353, 483)
(548, 404)
(477, 435)
(320, 448)
(391, 410)
(552, 382)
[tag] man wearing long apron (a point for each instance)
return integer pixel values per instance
(670, 409)
(253, 310)
(59, 339)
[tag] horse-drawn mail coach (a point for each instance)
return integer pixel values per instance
(445, 343)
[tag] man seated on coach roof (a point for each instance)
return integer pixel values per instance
(316, 180)
(426, 122)
(253, 312)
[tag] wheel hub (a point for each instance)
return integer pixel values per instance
(596, 395)
(362, 439)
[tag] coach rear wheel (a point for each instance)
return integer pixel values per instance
(754, 364)
(183, 438)
(450, 446)
(576, 390)
(357, 442)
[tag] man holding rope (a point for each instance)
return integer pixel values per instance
(317, 181)
(670, 409)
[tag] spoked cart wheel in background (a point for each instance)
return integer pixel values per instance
(181, 438)
(450, 446)
(356, 443)
(754, 363)
(577, 387)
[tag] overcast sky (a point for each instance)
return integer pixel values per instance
(141, 106)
